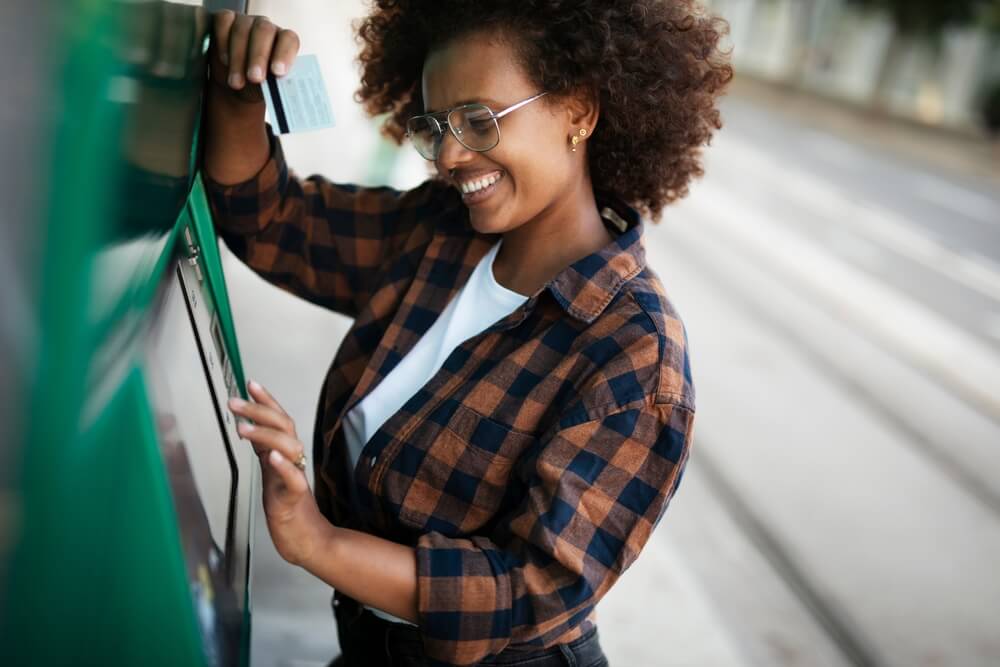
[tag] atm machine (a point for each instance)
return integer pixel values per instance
(126, 499)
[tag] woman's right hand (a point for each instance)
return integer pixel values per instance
(243, 49)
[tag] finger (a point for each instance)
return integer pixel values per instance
(261, 395)
(222, 23)
(273, 484)
(262, 415)
(264, 438)
(286, 47)
(239, 35)
(262, 35)
(293, 479)
(270, 478)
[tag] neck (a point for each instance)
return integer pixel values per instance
(533, 253)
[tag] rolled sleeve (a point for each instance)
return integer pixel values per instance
(248, 207)
(593, 495)
(330, 243)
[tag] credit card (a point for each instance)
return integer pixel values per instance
(297, 102)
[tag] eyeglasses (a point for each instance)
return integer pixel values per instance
(474, 125)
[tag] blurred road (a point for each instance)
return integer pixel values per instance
(932, 235)
(842, 300)
(842, 306)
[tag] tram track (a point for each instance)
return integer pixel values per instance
(974, 480)
(699, 255)
(842, 630)
(908, 403)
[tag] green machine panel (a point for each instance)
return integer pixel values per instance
(127, 503)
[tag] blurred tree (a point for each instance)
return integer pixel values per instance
(989, 108)
(928, 17)
(990, 17)
(923, 20)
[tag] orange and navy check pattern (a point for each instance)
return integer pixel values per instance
(531, 469)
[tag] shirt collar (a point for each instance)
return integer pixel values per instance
(587, 286)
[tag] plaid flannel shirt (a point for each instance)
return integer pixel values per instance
(531, 469)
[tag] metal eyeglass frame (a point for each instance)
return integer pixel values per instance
(495, 116)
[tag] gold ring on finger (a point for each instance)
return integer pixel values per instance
(301, 462)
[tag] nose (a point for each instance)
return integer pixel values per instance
(452, 154)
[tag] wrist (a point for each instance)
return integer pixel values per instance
(236, 141)
(324, 545)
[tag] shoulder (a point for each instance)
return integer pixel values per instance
(676, 384)
(639, 349)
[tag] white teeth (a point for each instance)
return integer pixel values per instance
(476, 186)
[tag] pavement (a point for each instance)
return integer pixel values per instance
(965, 153)
(838, 277)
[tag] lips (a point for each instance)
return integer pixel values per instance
(469, 183)
(478, 189)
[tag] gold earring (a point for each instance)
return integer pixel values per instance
(576, 140)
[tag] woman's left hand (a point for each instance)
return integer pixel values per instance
(293, 518)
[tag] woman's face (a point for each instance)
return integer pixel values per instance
(533, 159)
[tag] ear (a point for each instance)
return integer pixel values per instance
(582, 111)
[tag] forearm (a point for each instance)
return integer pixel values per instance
(374, 571)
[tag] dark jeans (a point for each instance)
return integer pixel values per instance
(369, 641)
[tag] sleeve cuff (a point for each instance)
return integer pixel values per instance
(247, 207)
(464, 599)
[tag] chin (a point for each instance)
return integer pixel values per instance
(485, 222)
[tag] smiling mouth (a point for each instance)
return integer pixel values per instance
(478, 190)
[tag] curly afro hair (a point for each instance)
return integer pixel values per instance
(654, 66)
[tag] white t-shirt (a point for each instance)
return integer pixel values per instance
(479, 304)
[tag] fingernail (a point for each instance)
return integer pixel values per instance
(236, 403)
(278, 68)
(235, 80)
(276, 456)
(255, 73)
(253, 384)
(244, 427)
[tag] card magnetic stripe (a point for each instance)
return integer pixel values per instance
(277, 104)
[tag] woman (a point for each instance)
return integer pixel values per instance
(512, 409)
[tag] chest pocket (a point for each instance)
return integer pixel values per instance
(462, 478)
